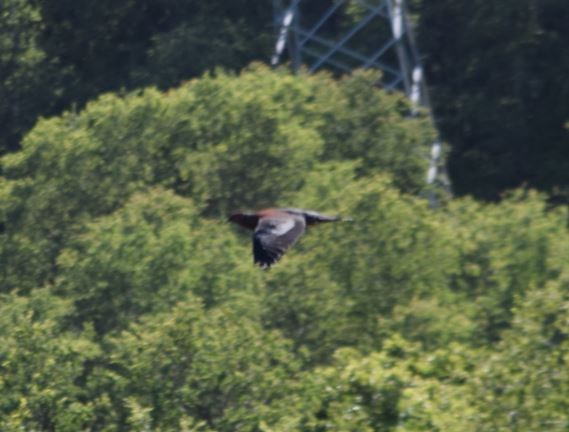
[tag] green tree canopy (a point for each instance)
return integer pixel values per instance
(129, 303)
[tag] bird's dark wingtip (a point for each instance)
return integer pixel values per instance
(264, 265)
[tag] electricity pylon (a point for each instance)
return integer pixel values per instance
(342, 35)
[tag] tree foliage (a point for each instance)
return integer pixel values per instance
(57, 55)
(497, 99)
(128, 302)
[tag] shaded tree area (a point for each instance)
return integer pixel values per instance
(497, 77)
(128, 304)
(59, 54)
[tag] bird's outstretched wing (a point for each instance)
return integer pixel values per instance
(273, 236)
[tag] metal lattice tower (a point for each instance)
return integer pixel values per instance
(342, 35)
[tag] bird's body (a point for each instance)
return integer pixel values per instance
(276, 230)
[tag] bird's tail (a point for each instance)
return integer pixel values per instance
(313, 218)
(316, 218)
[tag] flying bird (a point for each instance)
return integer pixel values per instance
(276, 230)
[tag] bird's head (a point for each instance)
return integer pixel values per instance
(246, 220)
